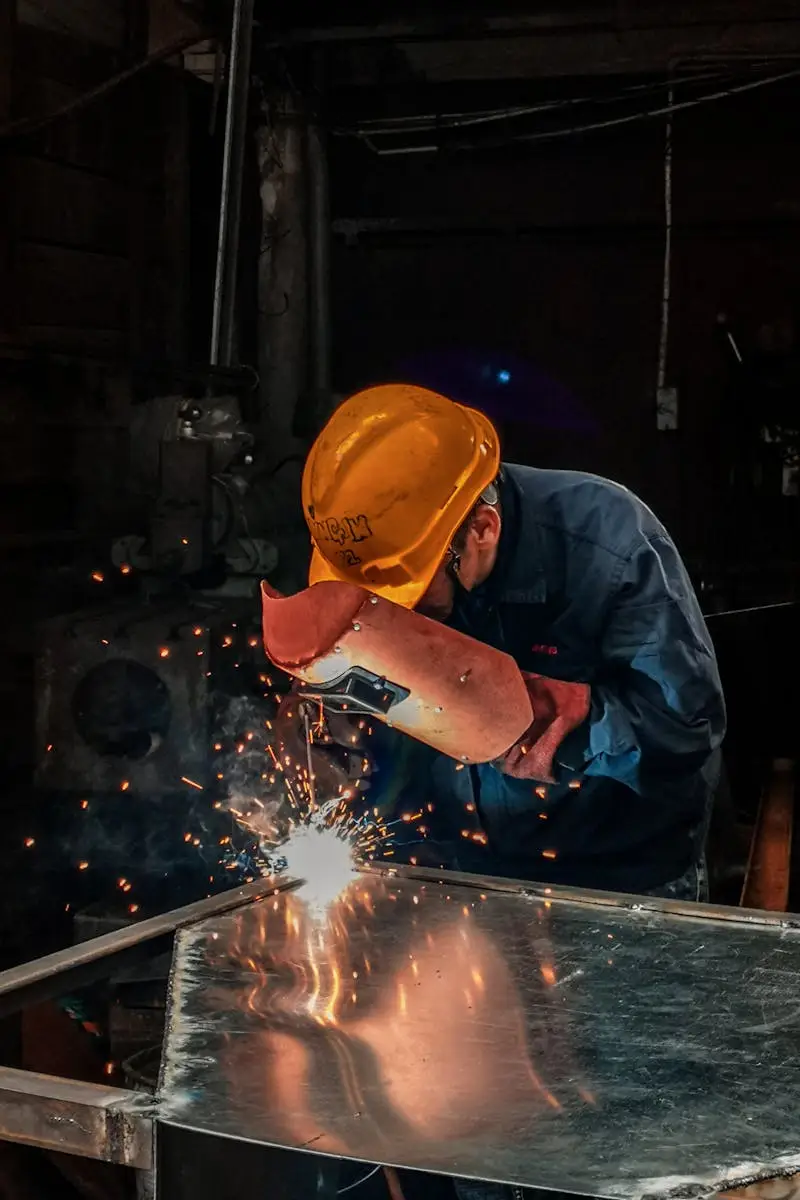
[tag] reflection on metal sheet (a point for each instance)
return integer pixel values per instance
(610, 1050)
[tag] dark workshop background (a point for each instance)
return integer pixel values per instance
(552, 251)
(549, 251)
(529, 239)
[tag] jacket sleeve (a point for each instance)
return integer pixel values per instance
(656, 708)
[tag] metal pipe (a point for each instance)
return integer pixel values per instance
(230, 206)
(319, 219)
(28, 974)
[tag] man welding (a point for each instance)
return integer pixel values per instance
(571, 575)
(610, 716)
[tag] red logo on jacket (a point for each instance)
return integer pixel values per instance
(540, 649)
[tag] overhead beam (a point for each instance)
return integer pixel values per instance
(609, 17)
(562, 55)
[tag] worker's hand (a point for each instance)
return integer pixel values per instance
(558, 709)
(339, 759)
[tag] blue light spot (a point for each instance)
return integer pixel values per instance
(503, 376)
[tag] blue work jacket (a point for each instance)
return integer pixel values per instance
(588, 587)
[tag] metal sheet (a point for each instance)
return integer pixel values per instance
(600, 1045)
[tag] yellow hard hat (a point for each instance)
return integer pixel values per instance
(387, 483)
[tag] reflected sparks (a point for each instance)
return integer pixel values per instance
(402, 983)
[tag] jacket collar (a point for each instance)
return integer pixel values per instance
(519, 569)
(518, 576)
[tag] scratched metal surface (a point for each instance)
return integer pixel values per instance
(604, 1049)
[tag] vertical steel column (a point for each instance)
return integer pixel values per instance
(223, 321)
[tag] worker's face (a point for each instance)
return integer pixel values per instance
(478, 556)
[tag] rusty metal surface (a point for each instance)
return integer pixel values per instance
(784, 1188)
(87, 1119)
(608, 1046)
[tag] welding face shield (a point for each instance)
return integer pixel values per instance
(356, 652)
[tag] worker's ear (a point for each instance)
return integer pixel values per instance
(486, 525)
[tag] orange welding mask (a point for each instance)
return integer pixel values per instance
(387, 484)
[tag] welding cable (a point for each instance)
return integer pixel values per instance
(26, 126)
(359, 1182)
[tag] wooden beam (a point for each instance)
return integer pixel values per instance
(766, 884)
(169, 22)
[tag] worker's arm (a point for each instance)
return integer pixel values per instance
(656, 707)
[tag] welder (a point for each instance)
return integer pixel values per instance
(575, 578)
(611, 784)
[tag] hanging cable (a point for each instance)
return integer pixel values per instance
(663, 340)
(412, 123)
(549, 135)
(359, 1182)
(665, 109)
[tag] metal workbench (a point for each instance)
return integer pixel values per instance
(570, 1040)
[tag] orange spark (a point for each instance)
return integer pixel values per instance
(191, 783)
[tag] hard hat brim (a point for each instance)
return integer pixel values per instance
(407, 594)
